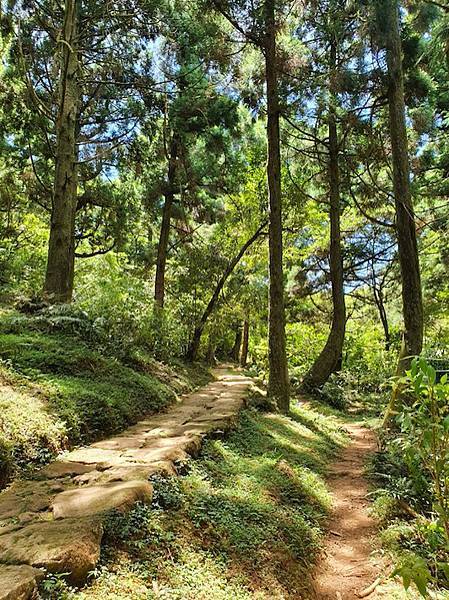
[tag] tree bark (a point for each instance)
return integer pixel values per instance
(161, 261)
(245, 343)
(330, 357)
(235, 352)
(210, 354)
(58, 285)
(278, 383)
(194, 346)
(412, 306)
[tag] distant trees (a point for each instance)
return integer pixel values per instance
(192, 351)
(198, 125)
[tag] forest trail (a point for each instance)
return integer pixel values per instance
(347, 570)
(54, 520)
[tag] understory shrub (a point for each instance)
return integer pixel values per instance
(334, 392)
(122, 309)
(414, 471)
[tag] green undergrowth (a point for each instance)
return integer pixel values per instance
(244, 522)
(58, 389)
(410, 539)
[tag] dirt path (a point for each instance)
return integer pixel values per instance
(54, 520)
(347, 567)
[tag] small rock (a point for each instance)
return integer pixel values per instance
(26, 517)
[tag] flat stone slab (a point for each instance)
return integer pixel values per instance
(61, 468)
(65, 546)
(95, 499)
(25, 496)
(18, 582)
(54, 521)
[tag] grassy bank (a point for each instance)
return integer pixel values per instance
(58, 388)
(244, 522)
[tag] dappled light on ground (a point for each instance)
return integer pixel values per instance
(246, 522)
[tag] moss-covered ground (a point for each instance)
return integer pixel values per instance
(58, 390)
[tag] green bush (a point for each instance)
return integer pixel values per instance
(366, 358)
(121, 310)
(29, 435)
(414, 471)
(335, 393)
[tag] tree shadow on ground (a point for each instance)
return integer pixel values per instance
(249, 513)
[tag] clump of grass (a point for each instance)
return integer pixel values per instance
(244, 522)
(29, 435)
(58, 389)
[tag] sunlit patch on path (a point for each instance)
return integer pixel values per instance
(348, 569)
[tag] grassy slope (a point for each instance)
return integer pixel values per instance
(244, 522)
(57, 390)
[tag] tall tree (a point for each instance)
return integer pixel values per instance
(259, 25)
(86, 67)
(61, 246)
(162, 248)
(327, 361)
(412, 304)
(245, 342)
(278, 383)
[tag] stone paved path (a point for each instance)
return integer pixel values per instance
(54, 521)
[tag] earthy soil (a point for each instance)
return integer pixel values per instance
(348, 569)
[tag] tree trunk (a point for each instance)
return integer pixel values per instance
(379, 300)
(405, 222)
(245, 343)
(161, 261)
(58, 285)
(278, 383)
(210, 355)
(194, 346)
(329, 358)
(235, 352)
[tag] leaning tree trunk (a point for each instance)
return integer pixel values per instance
(379, 300)
(161, 261)
(194, 345)
(58, 285)
(412, 306)
(330, 357)
(245, 343)
(278, 383)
